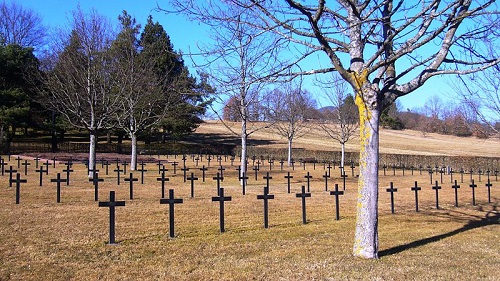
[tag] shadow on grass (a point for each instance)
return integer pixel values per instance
(492, 217)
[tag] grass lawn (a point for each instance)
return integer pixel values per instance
(44, 240)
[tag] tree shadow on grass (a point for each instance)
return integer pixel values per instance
(492, 217)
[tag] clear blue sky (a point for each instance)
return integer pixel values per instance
(183, 33)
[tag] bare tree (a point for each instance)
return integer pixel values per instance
(384, 50)
(241, 60)
(21, 26)
(288, 107)
(78, 81)
(141, 103)
(341, 120)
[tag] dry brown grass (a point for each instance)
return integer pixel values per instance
(43, 240)
(395, 142)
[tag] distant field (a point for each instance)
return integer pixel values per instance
(391, 141)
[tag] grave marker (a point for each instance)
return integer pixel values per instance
(266, 196)
(221, 169)
(256, 169)
(243, 178)
(163, 179)
(11, 171)
(58, 181)
(221, 198)
(437, 188)
(131, 180)
(26, 164)
(95, 181)
(326, 176)
(41, 171)
(174, 164)
(416, 188)
(473, 186)
(337, 193)
(111, 204)
(184, 170)
(288, 177)
(171, 201)
(142, 170)
(218, 178)
(392, 190)
(308, 177)
(118, 172)
(456, 187)
(488, 186)
(18, 182)
(203, 170)
(18, 159)
(303, 195)
(192, 178)
(68, 170)
(2, 163)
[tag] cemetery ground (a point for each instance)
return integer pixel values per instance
(41, 239)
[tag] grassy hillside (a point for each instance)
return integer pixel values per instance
(391, 141)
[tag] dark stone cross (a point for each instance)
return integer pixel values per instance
(243, 178)
(281, 164)
(329, 167)
(2, 163)
(171, 201)
(192, 178)
(218, 178)
(441, 171)
(219, 159)
(68, 170)
(124, 164)
(209, 158)
(18, 159)
(163, 179)
(473, 186)
(111, 204)
(106, 165)
(221, 198)
(303, 195)
(293, 164)
(256, 169)
(343, 176)
(403, 168)
(58, 181)
(131, 180)
(392, 190)
(221, 169)
(196, 161)
(412, 168)
(393, 169)
(337, 207)
(451, 174)
(471, 172)
(36, 162)
(266, 197)
(203, 169)
(479, 173)
(416, 188)
(496, 174)
(420, 168)
(304, 162)
(18, 182)
(11, 171)
(271, 162)
(462, 171)
(26, 164)
(326, 176)
(456, 187)
(384, 167)
(184, 170)
(430, 174)
(41, 171)
(142, 170)
(288, 177)
(308, 177)
(159, 164)
(352, 168)
(46, 164)
(95, 181)
(489, 185)
(174, 164)
(267, 177)
(437, 188)
(118, 172)
(54, 162)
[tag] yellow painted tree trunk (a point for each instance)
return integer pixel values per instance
(366, 235)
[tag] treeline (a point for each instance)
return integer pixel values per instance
(91, 77)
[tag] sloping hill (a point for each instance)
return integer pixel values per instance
(391, 141)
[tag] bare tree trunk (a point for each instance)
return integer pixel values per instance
(243, 148)
(133, 155)
(342, 157)
(366, 236)
(290, 151)
(92, 153)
